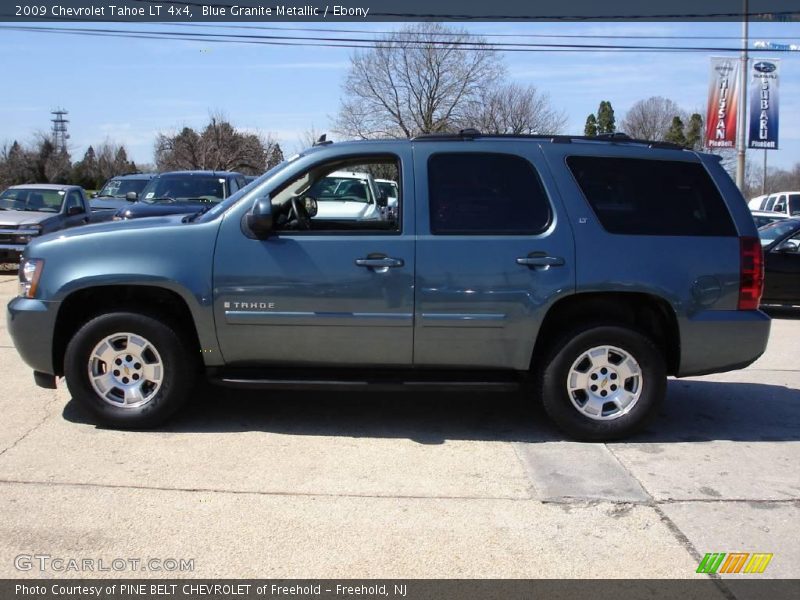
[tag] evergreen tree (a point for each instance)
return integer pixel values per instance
(590, 128)
(675, 132)
(694, 132)
(275, 156)
(605, 118)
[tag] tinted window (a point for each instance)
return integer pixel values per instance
(486, 194)
(652, 197)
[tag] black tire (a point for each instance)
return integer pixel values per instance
(552, 378)
(178, 375)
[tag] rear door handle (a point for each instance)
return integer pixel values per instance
(540, 260)
(383, 262)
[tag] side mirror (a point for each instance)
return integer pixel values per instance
(383, 199)
(259, 219)
(787, 247)
(131, 196)
(93, 195)
(74, 210)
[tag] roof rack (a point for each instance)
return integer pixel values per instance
(323, 140)
(618, 137)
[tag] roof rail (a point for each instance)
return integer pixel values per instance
(614, 138)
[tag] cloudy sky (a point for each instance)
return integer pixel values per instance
(127, 90)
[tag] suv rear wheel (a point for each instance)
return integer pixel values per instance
(129, 369)
(602, 382)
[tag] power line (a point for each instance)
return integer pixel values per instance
(739, 14)
(486, 35)
(369, 43)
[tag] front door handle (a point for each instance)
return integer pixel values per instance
(540, 260)
(381, 263)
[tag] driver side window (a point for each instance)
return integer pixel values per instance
(341, 196)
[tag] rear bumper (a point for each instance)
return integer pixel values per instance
(31, 324)
(715, 341)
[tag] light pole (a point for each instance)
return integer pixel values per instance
(742, 116)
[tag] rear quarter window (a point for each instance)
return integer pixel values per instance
(652, 197)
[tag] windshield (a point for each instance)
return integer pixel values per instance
(118, 188)
(387, 187)
(184, 188)
(32, 199)
(773, 231)
(220, 208)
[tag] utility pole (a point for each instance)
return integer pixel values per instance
(741, 140)
(60, 135)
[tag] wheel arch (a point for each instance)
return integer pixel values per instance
(647, 313)
(82, 305)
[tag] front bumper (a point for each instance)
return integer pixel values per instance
(715, 341)
(11, 252)
(31, 323)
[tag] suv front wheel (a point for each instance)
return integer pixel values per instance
(129, 369)
(602, 382)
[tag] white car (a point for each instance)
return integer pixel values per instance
(757, 202)
(787, 203)
(347, 195)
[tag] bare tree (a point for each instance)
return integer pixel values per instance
(220, 146)
(514, 109)
(650, 119)
(415, 81)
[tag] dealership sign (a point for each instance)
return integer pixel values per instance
(723, 94)
(764, 104)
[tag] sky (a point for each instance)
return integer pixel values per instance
(128, 90)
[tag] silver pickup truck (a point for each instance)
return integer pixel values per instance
(28, 211)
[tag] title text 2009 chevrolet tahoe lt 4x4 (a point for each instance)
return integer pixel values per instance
(593, 268)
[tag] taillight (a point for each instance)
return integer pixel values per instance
(751, 273)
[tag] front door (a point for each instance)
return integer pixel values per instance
(326, 289)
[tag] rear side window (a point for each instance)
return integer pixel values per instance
(476, 193)
(652, 197)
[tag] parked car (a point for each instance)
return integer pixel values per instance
(781, 243)
(765, 217)
(585, 270)
(787, 203)
(118, 191)
(30, 210)
(182, 192)
(347, 195)
(757, 202)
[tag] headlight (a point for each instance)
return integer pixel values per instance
(33, 231)
(29, 273)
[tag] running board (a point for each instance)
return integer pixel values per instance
(369, 382)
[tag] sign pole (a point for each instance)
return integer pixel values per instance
(742, 116)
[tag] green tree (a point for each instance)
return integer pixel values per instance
(675, 132)
(85, 172)
(590, 128)
(694, 132)
(605, 118)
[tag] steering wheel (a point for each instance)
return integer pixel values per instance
(299, 214)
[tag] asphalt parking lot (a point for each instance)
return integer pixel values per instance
(307, 485)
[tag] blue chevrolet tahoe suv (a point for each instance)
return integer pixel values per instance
(585, 269)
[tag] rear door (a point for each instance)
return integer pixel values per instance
(493, 252)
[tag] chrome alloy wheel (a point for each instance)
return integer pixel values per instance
(604, 383)
(126, 370)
